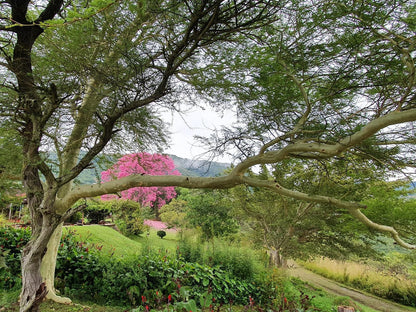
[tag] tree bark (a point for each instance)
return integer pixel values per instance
(48, 265)
(276, 259)
(34, 289)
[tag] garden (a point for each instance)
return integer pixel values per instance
(311, 104)
(152, 274)
(210, 251)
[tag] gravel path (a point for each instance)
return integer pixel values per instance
(338, 289)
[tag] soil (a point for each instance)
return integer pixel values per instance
(332, 287)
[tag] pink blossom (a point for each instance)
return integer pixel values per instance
(144, 164)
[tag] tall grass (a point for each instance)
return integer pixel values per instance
(382, 283)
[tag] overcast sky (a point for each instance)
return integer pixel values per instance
(196, 122)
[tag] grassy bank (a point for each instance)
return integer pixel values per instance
(113, 242)
(382, 283)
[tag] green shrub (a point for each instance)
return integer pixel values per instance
(127, 216)
(96, 211)
(78, 266)
(233, 260)
(238, 263)
(74, 218)
(161, 234)
(84, 274)
(12, 241)
(189, 251)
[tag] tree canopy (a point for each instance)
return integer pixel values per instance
(322, 81)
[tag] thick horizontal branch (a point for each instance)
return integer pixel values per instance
(131, 181)
(302, 196)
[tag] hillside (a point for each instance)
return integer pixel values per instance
(188, 167)
(198, 168)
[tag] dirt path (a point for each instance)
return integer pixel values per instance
(335, 288)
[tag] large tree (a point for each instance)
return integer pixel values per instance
(291, 229)
(321, 80)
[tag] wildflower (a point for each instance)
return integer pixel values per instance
(143, 299)
(147, 308)
(285, 300)
(169, 298)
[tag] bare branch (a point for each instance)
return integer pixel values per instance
(379, 227)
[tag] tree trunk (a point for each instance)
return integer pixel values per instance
(34, 289)
(276, 259)
(48, 266)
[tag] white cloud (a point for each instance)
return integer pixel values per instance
(198, 121)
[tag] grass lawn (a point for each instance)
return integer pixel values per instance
(150, 239)
(122, 246)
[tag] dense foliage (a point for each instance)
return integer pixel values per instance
(290, 228)
(159, 278)
(127, 215)
(83, 273)
(12, 242)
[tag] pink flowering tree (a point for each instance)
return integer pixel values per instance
(143, 164)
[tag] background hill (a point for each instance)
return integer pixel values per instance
(198, 168)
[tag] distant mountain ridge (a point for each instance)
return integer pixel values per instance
(187, 167)
(198, 168)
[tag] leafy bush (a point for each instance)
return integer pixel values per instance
(127, 216)
(74, 218)
(189, 251)
(174, 213)
(161, 234)
(233, 260)
(210, 211)
(12, 241)
(151, 280)
(238, 263)
(78, 265)
(96, 212)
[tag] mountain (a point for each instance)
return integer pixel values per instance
(198, 168)
(187, 167)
